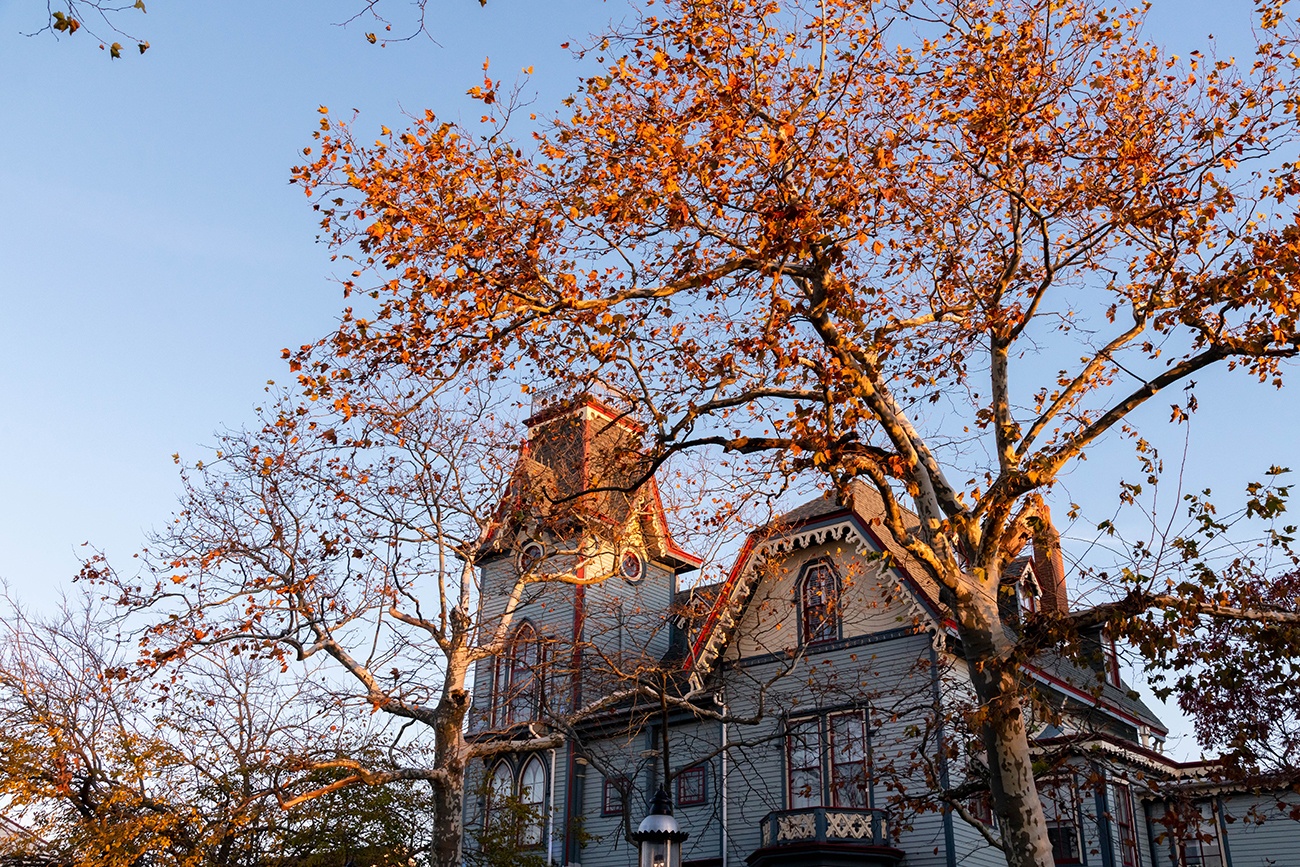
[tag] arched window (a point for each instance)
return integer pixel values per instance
(518, 676)
(532, 802)
(819, 602)
(501, 787)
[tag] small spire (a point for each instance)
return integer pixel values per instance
(662, 805)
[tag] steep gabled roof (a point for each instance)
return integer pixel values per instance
(860, 521)
(1085, 686)
(812, 523)
(1016, 569)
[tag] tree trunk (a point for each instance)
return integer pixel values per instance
(449, 783)
(1002, 725)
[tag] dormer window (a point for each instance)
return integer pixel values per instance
(1029, 593)
(819, 602)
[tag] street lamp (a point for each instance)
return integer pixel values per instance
(659, 836)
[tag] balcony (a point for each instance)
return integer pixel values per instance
(825, 837)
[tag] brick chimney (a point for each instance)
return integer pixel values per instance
(1049, 567)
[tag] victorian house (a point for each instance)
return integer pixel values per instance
(806, 710)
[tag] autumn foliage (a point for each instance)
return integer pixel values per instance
(941, 246)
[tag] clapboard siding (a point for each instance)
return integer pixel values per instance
(1275, 843)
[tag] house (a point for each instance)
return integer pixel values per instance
(20, 846)
(804, 711)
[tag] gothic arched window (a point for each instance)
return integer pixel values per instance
(518, 677)
(532, 802)
(819, 602)
(501, 787)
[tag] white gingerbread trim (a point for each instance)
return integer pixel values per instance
(847, 530)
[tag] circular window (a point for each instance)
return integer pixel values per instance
(530, 555)
(631, 566)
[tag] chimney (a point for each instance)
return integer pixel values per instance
(1049, 567)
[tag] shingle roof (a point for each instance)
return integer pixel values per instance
(1087, 680)
(1016, 568)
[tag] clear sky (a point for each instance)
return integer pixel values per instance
(156, 259)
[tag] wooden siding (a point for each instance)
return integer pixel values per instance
(771, 622)
(1275, 843)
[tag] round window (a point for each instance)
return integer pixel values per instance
(631, 566)
(530, 555)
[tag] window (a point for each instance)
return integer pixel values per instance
(804, 754)
(849, 774)
(516, 697)
(501, 786)
(691, 786)
(530, 555)
(1061, 808)
(611, 803)
(517, 807)
(833, 749)
(981, 809)
(819, 602)
(1126, 826)
(532, 802)
(1199, 844)
(631, 565)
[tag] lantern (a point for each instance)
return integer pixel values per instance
(659, 836)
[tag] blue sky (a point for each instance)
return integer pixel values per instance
(156, 258)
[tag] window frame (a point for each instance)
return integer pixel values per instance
(700, 771)
(822, 728)
(517, 679)
(818, 796)
(493, 792)
(830, 625)
(1063, 818)
(611, 784)
(832, 749)
(1191, 836)
(536, 827)
(1130, 853)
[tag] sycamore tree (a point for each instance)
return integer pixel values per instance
(351, 539)
(348, 541)
(945, 247)
(109, 22)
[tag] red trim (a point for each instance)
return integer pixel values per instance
(1128, 746)
(700, 771)
(586, 401)
(1089, 698)
(656, 507)
(721, 602)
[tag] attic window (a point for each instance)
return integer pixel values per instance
(819, 602)
(631, 566)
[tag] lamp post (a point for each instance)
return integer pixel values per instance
(659, 836)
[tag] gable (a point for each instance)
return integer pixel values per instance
(769, 562)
